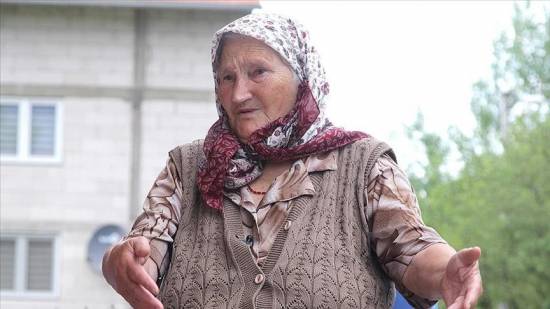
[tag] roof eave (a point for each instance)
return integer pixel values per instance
(230, 5)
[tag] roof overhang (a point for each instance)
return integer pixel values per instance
(226, 5)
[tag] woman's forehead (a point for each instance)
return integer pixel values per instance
(235, 45)
(247, 46)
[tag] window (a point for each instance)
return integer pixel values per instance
(30, 130)
(28, 265)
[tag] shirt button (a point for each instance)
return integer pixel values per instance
(259, 278)
(287, 225)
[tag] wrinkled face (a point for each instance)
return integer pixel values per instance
(255, 86)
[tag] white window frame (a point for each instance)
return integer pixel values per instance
(23, 153)
(21, 252)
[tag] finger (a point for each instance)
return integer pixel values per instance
(141, 260)
(138, 275)
(456, 304)
(148, 300)
(469, 256)
(474, 291)
(140, 246)
(138, 297)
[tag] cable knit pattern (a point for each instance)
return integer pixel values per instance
(323, 260)
(201, 273)
(327, 261)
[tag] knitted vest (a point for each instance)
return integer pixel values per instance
(321, 257)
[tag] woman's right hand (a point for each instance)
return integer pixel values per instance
(126, 266)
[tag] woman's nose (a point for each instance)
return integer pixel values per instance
(241, 91)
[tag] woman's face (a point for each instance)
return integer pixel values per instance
(255, 86)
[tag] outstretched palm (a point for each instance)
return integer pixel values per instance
(461, 284)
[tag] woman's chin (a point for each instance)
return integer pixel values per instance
(244, 135)
(243, 138)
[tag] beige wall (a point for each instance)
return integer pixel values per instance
(90, 184)
(167, 124)
(179, 45)
(66, 45)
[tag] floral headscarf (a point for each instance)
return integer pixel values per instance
(303, 132)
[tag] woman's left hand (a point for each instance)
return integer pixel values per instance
(461, 284)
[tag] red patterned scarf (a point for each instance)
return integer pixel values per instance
(221, 145)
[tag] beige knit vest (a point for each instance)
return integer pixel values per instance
(322, 258)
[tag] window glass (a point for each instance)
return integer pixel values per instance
(8, 129)
(7, 264)
(27, 265)
(43, 130)
(39, 265)
(29, 130)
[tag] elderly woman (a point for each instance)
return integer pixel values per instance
(278, 208)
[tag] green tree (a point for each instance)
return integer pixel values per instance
(500, 200)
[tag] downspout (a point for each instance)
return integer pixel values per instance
(140, 27)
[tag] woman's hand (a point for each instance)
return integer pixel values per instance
(125, 268)
(461, 284)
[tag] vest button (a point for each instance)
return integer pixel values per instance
(287, 225)
(259, 278)
(249, 240)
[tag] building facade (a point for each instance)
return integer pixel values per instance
(93, 95)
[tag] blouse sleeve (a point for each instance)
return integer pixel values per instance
(397, 230)
(161, 212)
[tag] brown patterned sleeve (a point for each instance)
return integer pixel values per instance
(161, 212)
(397, 230)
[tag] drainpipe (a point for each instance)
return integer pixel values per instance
(140, 27)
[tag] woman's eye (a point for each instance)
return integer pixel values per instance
(259, 71)
(227, 78)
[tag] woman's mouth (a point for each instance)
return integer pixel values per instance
(246, 110)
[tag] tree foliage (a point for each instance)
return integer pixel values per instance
(500, 200)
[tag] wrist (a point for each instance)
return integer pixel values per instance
(425, 276)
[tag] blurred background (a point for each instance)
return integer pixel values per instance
(93, 94)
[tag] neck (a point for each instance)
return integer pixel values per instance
(270, 172)
(274, 169)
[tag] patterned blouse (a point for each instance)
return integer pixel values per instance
(388, 193)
